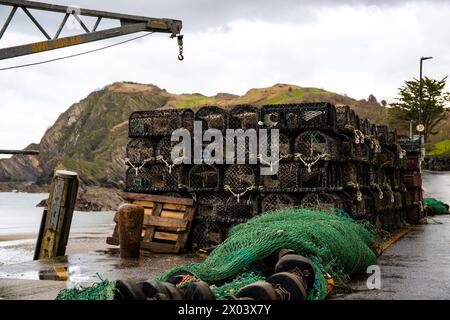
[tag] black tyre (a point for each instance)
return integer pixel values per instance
(175, 293)
(199, 290)
(129, 290)
(290, 262)
(291, 283)
(260, 290)
(154, 289)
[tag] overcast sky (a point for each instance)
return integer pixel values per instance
(350, 47)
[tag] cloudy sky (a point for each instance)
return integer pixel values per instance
(352, 47)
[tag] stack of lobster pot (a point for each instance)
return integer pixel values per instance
(312, 156)
(393, 192)
(328, 159)
(411, 178)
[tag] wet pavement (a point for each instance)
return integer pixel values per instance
(44, 279)
(416, 267)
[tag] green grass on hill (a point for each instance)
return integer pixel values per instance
(442, 147)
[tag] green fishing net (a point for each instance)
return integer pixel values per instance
(335, 242)
(104, 290)
(438, 207)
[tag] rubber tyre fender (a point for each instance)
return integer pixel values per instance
(129, 290)
(175, 293)
(289, 262)
(291, 283)
(154, 289)
(259, 290)
(199, 290)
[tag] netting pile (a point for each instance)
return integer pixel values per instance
(335, 242)
(104, 290)
(436, 206)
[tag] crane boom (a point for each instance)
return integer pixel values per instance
(128, 24)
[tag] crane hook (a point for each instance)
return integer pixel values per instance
(180, 46)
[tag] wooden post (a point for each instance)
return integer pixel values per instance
(61, 203)
(130, 217)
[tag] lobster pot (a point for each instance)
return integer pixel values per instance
(356, 173)
(365, 126)
(398, 200)
(392, 136)
(386, 158)
(160, 122)
(383, 133)
(372, 202)
(274, 201)
(322, 201)
(140, 150)
(324, 176)
(286, 179)
(388, 221)
(346, 120)
(285, 146)
(312, 145)
(241, 177)
(204, 177)
(211, 206)
(212, 117)
(416, 196)
(206, 235)
(243, 151)
(363, 152)
(298, 117)
(350, 174)
(393, 178)
(157, 178)
(244, 117)
(411, 179)
(406, 199)
(240, 209)
(355, 206)
(363, 175)
(388, 197)
(164, 150)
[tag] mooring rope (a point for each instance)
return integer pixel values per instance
(380, 192)
(271, 163)
(238, 195)
(169, 166)
(137, 169)
(309, 165)
(359, 135)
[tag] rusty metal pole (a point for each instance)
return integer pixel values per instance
(130, 218)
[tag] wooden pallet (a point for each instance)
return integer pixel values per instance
(167, 222)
